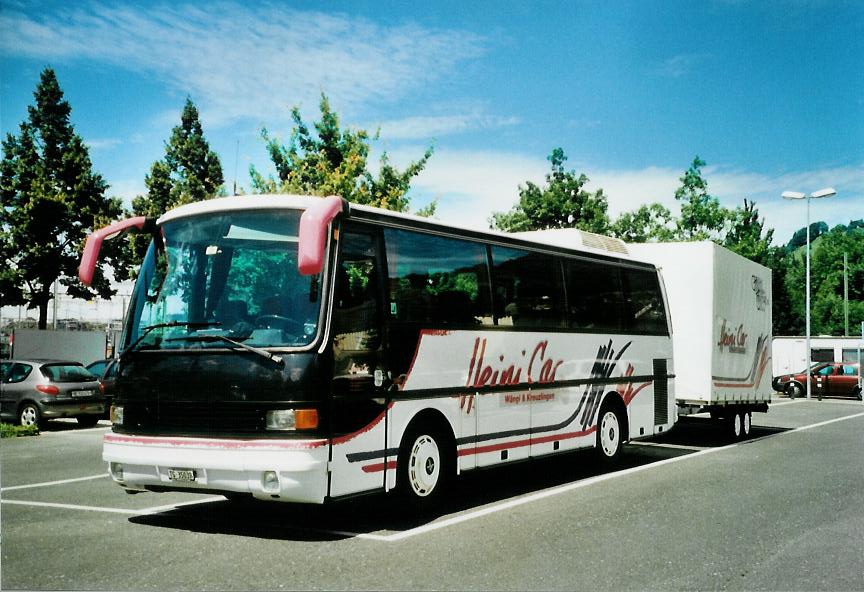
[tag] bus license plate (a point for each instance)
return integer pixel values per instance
(184, 475)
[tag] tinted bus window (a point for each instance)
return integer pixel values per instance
(595, 296)
(645, 313)
(528, 289)
(436, 280)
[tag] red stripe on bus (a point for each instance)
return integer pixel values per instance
(435, 332)
(218, 444)
(526, 442)
(379, 467)
(364, 429)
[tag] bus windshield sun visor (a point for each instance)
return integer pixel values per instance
(314, 224)
(94, 243)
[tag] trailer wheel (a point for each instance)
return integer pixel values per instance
(746, 424)
(610, 436)
(735, 426)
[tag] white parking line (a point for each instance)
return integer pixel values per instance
(49, 483)
(663, 445)
(70, 507)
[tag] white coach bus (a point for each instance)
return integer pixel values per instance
(307, 349)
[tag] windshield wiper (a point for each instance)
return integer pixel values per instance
(212, 338)
(146, 331)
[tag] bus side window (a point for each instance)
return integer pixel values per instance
(528, 289)
(595, 296)
(646, 313)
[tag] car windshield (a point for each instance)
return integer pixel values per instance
(67, 373)
(232, 275)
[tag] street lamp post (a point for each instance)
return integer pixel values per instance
(827, 192)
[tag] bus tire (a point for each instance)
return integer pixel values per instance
(425, 466)
(610, 434)
(746, 424)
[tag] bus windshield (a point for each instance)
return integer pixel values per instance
(227, 275)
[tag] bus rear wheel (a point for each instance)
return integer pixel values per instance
(610, 434)
(424, 468)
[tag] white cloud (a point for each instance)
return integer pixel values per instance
(424, 128)
(245, 63)
(103, 143)
(126, 189)
(682, 64)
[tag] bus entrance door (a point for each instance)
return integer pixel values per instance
(358, 404)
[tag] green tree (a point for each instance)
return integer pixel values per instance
(747, 235)
(189, 172)
(702, 217)
(51, 199)
(563, 203)
(332, 160)
(826, 278)
(799, 239)
(653, 222)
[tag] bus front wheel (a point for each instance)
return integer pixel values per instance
(424, 467)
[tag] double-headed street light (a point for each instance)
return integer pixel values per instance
(827, 192)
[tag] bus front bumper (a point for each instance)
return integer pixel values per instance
(282, 470)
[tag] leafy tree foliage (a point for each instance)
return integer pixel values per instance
(747, 235)
(332, 160)
(653, 222)
(826, 278)
(51, 199)
(799, 239)
(563, 203)
(702, 216)
(189, 172)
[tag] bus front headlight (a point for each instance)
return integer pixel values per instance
(290, 419)
(281, 419)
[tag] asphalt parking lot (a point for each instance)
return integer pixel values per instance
(783, 510)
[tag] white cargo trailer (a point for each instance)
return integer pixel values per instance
(720, 305)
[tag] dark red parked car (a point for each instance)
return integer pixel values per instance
(828, 379)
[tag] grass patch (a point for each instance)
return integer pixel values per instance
(14, 431)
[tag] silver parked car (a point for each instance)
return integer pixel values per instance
(32, 391)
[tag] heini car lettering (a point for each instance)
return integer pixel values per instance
(733, 339)
(539, 369)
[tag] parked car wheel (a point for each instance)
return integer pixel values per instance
(29, 414)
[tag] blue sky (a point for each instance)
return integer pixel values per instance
(770, 94)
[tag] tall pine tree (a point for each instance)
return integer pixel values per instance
(51, 199)
(189, 172)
